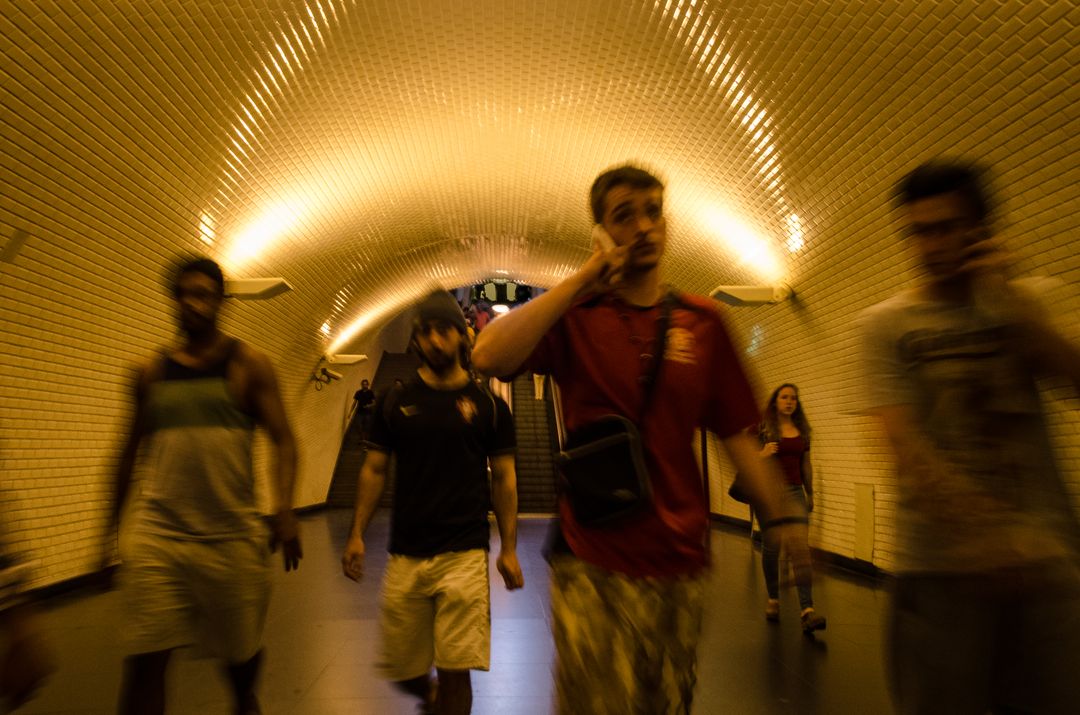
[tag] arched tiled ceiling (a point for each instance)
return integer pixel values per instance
(357, 147)
(377, 145)
(365, 150)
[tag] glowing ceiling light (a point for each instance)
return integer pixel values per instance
(253, 240)
(367, 319)
(325, 329)
(742, 242)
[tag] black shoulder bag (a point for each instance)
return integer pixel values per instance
(602, 464)
(737, 490)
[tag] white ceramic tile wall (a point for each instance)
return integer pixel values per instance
(368, 150)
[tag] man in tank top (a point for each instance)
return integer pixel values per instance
(196, 557)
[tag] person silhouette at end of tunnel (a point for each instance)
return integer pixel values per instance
(195, 561)
(443, 429)
(627, 584)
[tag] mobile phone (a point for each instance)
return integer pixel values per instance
(602, 238)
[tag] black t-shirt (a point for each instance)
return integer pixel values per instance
(364, 399)
(441, 439)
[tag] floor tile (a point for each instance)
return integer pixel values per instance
(322, 630)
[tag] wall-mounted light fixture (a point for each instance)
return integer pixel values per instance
(751, 295)
(256, 288)
(345, 359)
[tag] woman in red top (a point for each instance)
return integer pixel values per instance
(785, 437)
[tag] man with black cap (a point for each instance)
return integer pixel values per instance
(444, 431)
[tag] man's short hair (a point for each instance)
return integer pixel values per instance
(946, 177)
(625, 175)
(197, 264)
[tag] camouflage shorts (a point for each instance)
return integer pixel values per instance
(625, 646)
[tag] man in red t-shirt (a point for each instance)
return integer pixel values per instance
(626, 598)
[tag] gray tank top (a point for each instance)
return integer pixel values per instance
(199, 483)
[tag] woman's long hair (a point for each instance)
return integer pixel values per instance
(770, 424)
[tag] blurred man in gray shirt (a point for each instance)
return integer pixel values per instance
(986, 613)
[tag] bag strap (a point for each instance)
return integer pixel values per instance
(667, 305)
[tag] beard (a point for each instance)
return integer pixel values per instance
(196, 325)
(437, 361)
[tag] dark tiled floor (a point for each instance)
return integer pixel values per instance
(320, 642)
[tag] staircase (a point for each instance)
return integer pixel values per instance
(535, 467)
(351, 457)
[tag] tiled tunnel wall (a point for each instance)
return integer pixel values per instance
(118, 134)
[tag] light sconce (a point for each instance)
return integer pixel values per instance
(751, 295)
(256, 288)
(344, 359)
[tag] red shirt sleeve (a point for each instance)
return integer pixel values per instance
(547, 356)
(732, 407)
